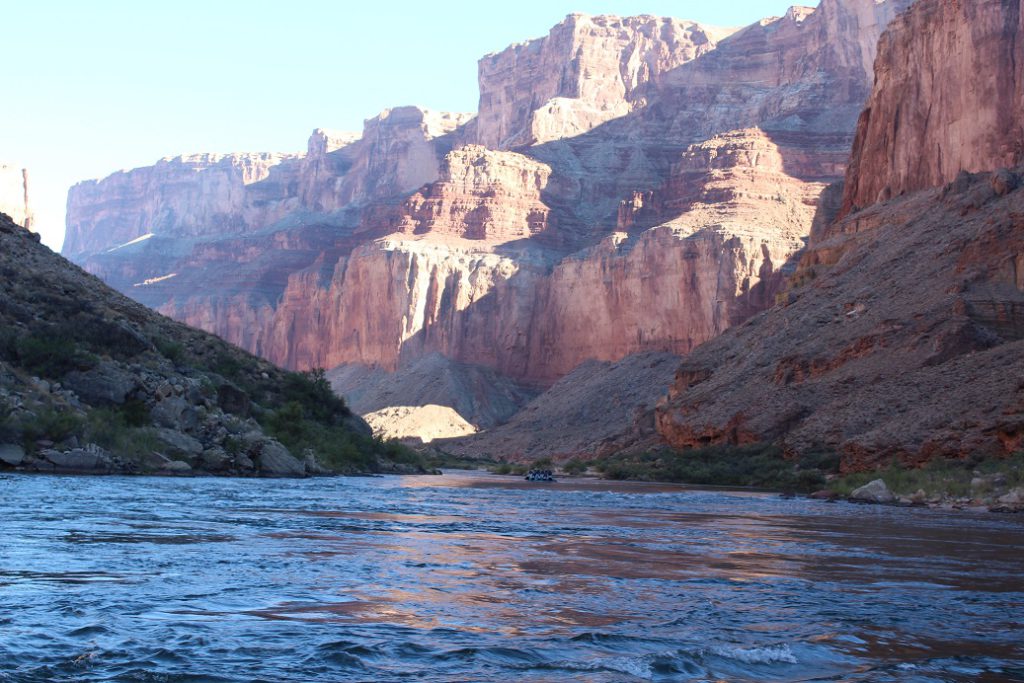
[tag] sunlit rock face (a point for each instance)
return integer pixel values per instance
(14, 194)
(901, 335)
(629, 185)
(586, 71)
(949, 97)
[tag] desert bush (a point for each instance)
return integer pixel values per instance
(52, 354)
(575, 467)
(757, 465)
(171, 350)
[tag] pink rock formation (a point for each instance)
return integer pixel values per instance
(586, 71)
(901, 337)
(14, 194)
(949, 97)
(663, 178)
(185, 196)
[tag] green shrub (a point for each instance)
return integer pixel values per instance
(52, 355)
(111, 429)
(135, 413)
(172, 351)
(757, 465)
(336, 446)
(938, 477)
(8, 344)
(227, 365)
(313, 393)
(575, 467)
(49, 424)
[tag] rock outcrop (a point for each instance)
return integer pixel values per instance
(901, 336)
(949, 97)
(418, 424)
(14, 194)
(586, 71)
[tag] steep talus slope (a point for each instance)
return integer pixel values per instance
(481, 396)
(902, 335)
(598, 409)
(91, 381)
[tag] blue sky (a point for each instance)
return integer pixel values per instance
(92, 87)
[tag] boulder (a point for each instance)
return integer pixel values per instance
(176, 467)
(108, 383)
(873, 492)
(1014, 497)
(214, 459)
(274, 459)
(92, 457)
(11, 454)
(175, 413)
(178, 443)
(313, 465)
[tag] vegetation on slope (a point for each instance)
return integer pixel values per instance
(82, 367)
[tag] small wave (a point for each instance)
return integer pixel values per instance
(769, 654)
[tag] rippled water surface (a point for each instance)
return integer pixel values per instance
(471, 577)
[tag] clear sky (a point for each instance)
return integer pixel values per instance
(93, 87)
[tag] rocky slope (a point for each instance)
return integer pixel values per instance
(901, 338)
(629, 185)
(598, 409)
(14, 194)
(91, 381)
(479, 395)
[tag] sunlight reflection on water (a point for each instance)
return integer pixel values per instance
(477, 577)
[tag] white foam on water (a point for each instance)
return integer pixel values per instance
(769, 654)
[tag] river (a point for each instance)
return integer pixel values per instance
(475, 577)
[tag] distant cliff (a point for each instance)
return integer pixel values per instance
(902, 336)
(14, 199)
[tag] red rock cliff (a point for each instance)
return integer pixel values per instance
(902, 335)
(948, 97)
(663, 180)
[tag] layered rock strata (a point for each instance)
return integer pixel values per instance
(949, 97)
(629, 185)
(901, 336)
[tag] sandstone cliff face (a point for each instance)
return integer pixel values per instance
(901, 335)
(949, 97)
(586, 71)
(185, 196)
(14, 194)
(211, 195)
(630, 185)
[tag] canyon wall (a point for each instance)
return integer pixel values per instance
(901, 336)
(14, 194)
(586, 71)
(630, 185)
(949, 97)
